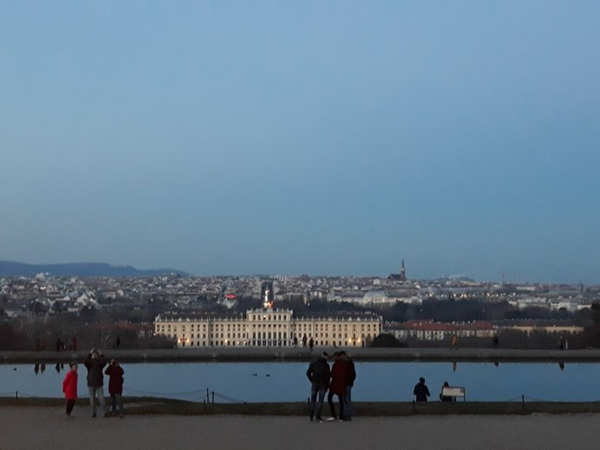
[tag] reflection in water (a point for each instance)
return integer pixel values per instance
(496, 363)
(561, 365)
(36, 368)
(43, 367)
(454, 365)
(57, 368)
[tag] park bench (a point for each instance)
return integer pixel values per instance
(453, 392)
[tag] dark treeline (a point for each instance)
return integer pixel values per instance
(445, 310)
(44, 333)
(131, 322)
(592, 333)
(507, 339)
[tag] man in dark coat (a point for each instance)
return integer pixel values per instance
(421, 391)
(350, 378)
(115, 385)
(95, 380)
(318, 374)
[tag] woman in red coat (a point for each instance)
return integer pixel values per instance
(338, 385)
(70, 388)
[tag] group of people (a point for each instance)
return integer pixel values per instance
(61, 345)
(95, 363)
(338, 380)
(421, 392)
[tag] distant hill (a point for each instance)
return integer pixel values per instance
(16, 269)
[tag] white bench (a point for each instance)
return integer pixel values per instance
(453, 392)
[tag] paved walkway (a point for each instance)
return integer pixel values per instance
(48, 429)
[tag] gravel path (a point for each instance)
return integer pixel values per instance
(48, 429)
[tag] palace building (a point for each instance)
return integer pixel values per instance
(269, 328)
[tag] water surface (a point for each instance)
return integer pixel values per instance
(286, 381)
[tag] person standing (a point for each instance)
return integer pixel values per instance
(115, 385)
(311, 344)
(350, 378)
(453, 342)
(69, 388)
(421, 391)
(337, 386)
(318, 374)
(95, 379)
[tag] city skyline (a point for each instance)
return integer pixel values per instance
(320, 138)
(103, 269)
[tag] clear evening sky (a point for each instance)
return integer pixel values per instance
(325, 137)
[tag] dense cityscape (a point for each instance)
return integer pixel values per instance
(38, 311)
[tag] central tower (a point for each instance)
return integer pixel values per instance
(267, 294)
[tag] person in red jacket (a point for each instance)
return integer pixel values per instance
(115, 385)
(337, 385)
(70, 388)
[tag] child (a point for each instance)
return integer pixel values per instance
(70, 388)
(115, 385)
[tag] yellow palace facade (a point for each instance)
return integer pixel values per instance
(269, 328)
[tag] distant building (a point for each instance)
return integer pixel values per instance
(269, 328)
(377, 297)
(399, 276)
(439, 331)
(541, 326)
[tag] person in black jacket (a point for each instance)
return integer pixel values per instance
(318, 374)
(421, 391)
(95, 380)
(350, 377)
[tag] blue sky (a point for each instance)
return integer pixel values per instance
(304, 137)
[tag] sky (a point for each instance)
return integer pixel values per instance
(320, 138)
